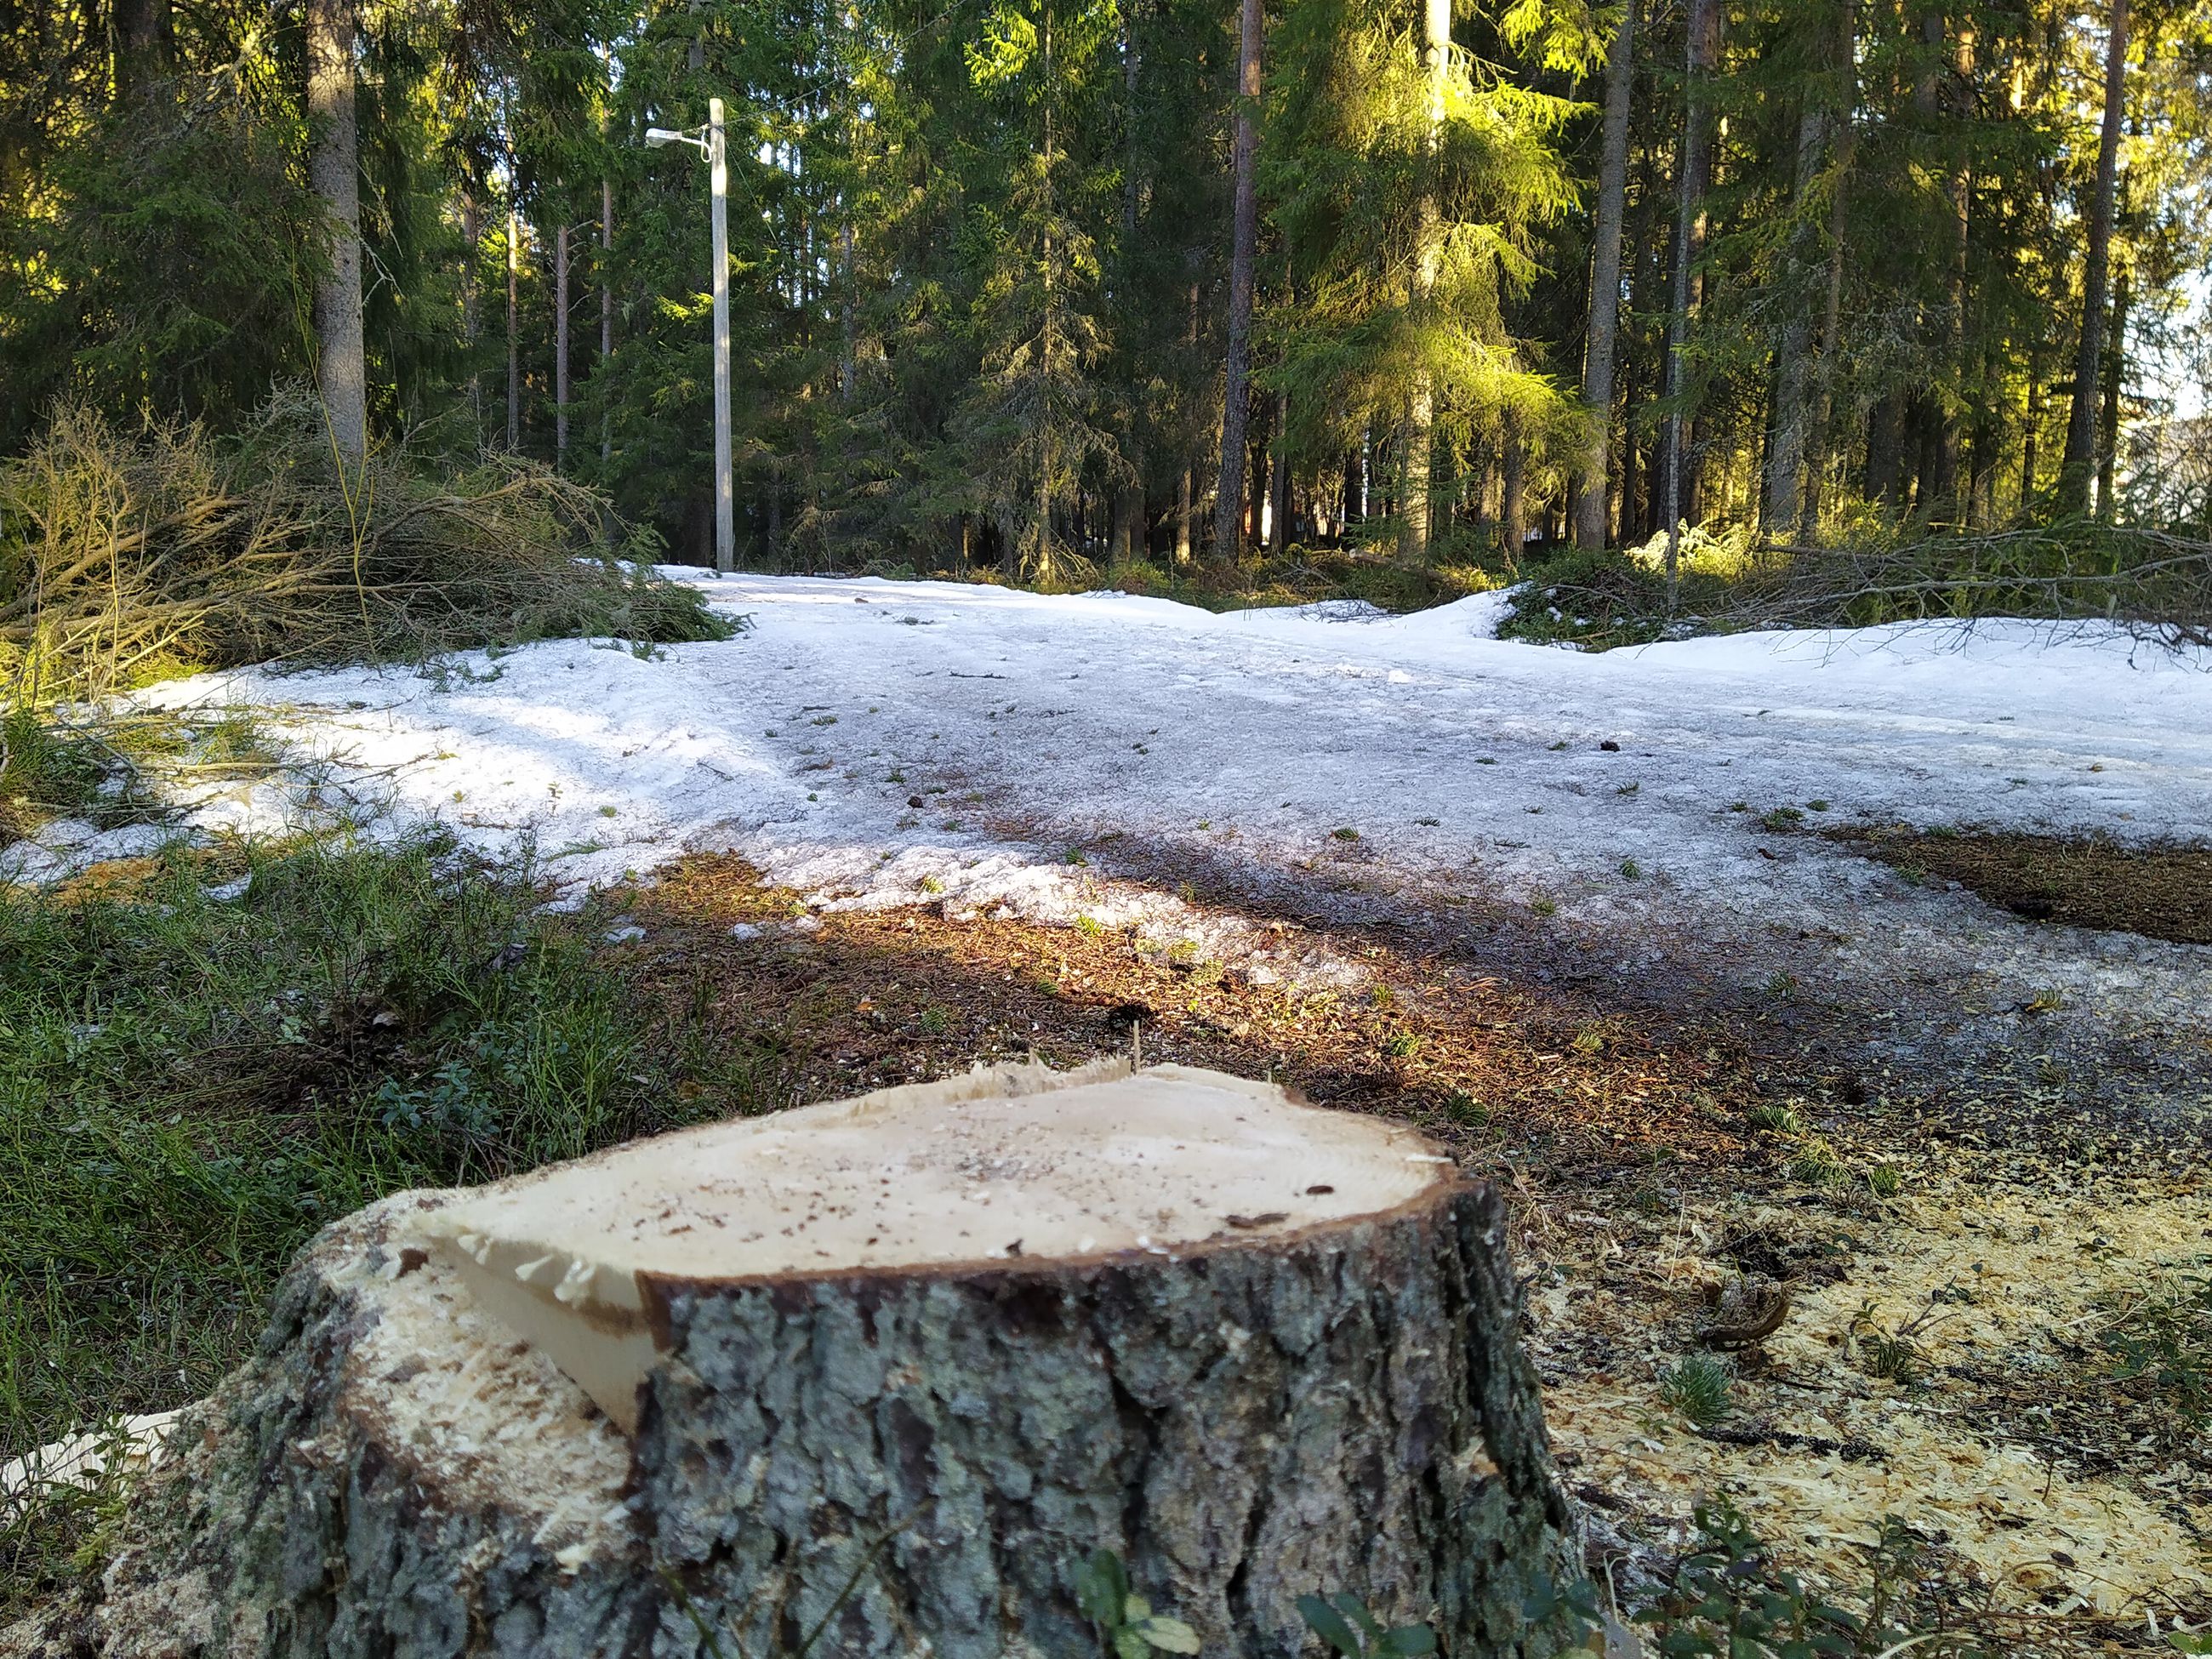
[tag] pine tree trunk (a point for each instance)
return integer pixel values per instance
(606, 315)
(1822, 436)
(1883, 479)
(1940, 493)
(472, 300)
(1785, 454)
(141, 46)
(334, 174)
(1704, 51)
(1185, 486)
(2115, 373)
(1600, 349)
(1244, 237)
(895, 1459)
(1417, 459)
(1279, 485)
(849, 350)
(2079, 464)
(514, 329)
(560, 350)
(1513, 510)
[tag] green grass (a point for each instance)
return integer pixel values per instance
(189, 1089)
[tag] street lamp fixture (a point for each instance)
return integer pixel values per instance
(709, 141)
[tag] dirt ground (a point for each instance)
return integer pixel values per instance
(1993, 1325)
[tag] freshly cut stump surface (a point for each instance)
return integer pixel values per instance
(881, 1374)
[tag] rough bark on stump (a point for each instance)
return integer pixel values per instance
(913, 1460)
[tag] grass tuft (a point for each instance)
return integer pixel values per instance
(190, 1088)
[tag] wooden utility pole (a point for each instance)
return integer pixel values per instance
(1600, 347)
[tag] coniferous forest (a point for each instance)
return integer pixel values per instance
(1024, 282)
(1090, 1045)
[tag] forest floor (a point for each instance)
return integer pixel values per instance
(1576, 915)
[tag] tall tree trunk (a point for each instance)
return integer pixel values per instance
(1244, 236)
(1129, 496)
(2115, 372)
(2031, 423)
(334, 174)
(1822, 436)
(2096, 275)
(472, 299)
(1187, 476)
(849, 350)
(1885, 444)
(1704, 51)
(1513, 510)
(1256, 487)
(1785, 452)
(141, 46)
(560, 350)
(1599, 348)
(1416, 463)
(514, 331)
(606, 313)
(1278, 487)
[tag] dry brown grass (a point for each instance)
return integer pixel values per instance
(2160, 892)
(124, 555)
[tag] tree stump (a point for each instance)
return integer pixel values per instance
(877, 1378)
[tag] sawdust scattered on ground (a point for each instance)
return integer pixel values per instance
(2061, 1505)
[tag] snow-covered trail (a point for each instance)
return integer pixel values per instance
(1026, 725)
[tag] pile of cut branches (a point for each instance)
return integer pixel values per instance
(126, 555)
(2155, 582)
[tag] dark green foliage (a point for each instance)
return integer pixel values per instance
(1345, 1627)
(1593, 600)
(1729, 1599)
(2162, 1350)
(164, 261)
(1127, 1627)
(47, 772)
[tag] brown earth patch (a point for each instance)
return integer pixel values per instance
(2160, 892)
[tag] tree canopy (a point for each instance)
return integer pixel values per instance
(1870, 261)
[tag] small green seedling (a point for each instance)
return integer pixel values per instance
(1346, 833)
(1347, 1628)
(1126, 1624)
(1698, 1386)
